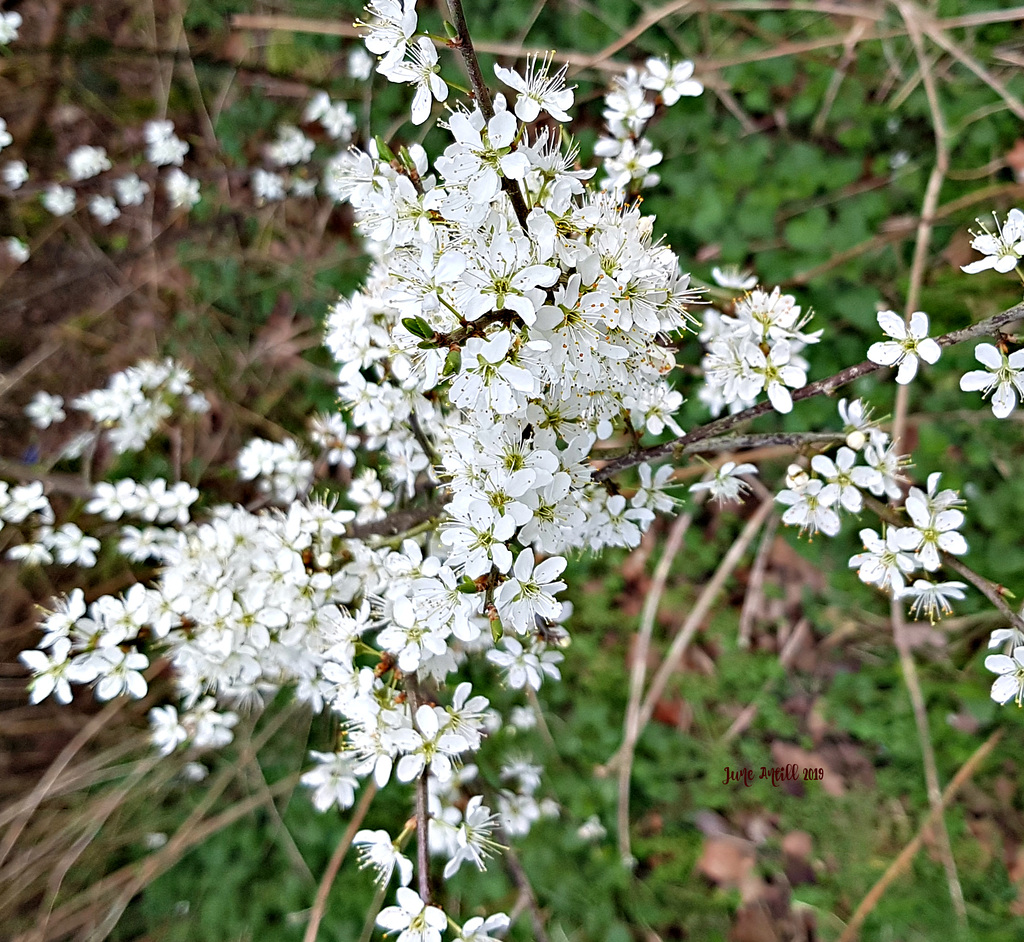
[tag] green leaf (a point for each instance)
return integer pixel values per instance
(418, 326)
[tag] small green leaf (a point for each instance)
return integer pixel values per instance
(418, 326)
(452, 363)
(385, 152)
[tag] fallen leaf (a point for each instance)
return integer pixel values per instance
(726, 860)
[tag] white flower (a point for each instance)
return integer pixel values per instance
(267, 187)
(10, 23)
(934, 529)
(24, 500)
(673, 82)
(162, 146)
(377, 850)
(15, 173)
(59, 200)
(479, 929)
(130, 190)
(86, 162)
(1002, 373)
(730, 276)
(846, 477)
(473, 839)
(592, 829)
(1010, 681)
(182, 190)
(857, 422)
(72, 547)
(726, 484)
(421, 69)
(885, 561)
(291, 147)
(412, 918)
(530, 594)
(525, 668)
(333, 780)
(812, 508)
(104, 209)
(17, 250)
(429, 743)
(932, 598)
(165, 730)
(538, 91)
(1013, 635)
(772, 371)
(481, 153)
(906, 346)
(44, 410)
(49, 673)
(122, 674)
(487, 381)
(360, 65)
(1002, 250)
(650, 494)
(392, 26)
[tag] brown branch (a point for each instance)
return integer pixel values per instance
(416, 698)
(398, 522)
(334, 864)
(464, 44)
(817, 388)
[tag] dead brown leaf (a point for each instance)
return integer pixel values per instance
(727, 860)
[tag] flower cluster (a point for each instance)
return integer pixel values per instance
(629, 156)
(756, 348)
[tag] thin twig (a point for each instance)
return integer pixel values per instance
(912, 15)
(522, 882)
(51, 775)
(755, 586)
(908, 853)
(464, 44)
(693, 621)
(638, 671)
(422, 801)
(316, 914)
(819, 387)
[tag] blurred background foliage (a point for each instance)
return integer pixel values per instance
(806, 161)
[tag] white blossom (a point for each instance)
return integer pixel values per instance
(1003, 376)
(909, 343)
(1003, 250)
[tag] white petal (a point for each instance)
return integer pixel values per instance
(953, 543)
(1000, 664)
(1005, 688)
(907, 370)
(989, 355)
(885, 353)
(892, 324)
(1003, 400)
(928, 350)
(977, 381)
(780, 398)
(919, 324)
